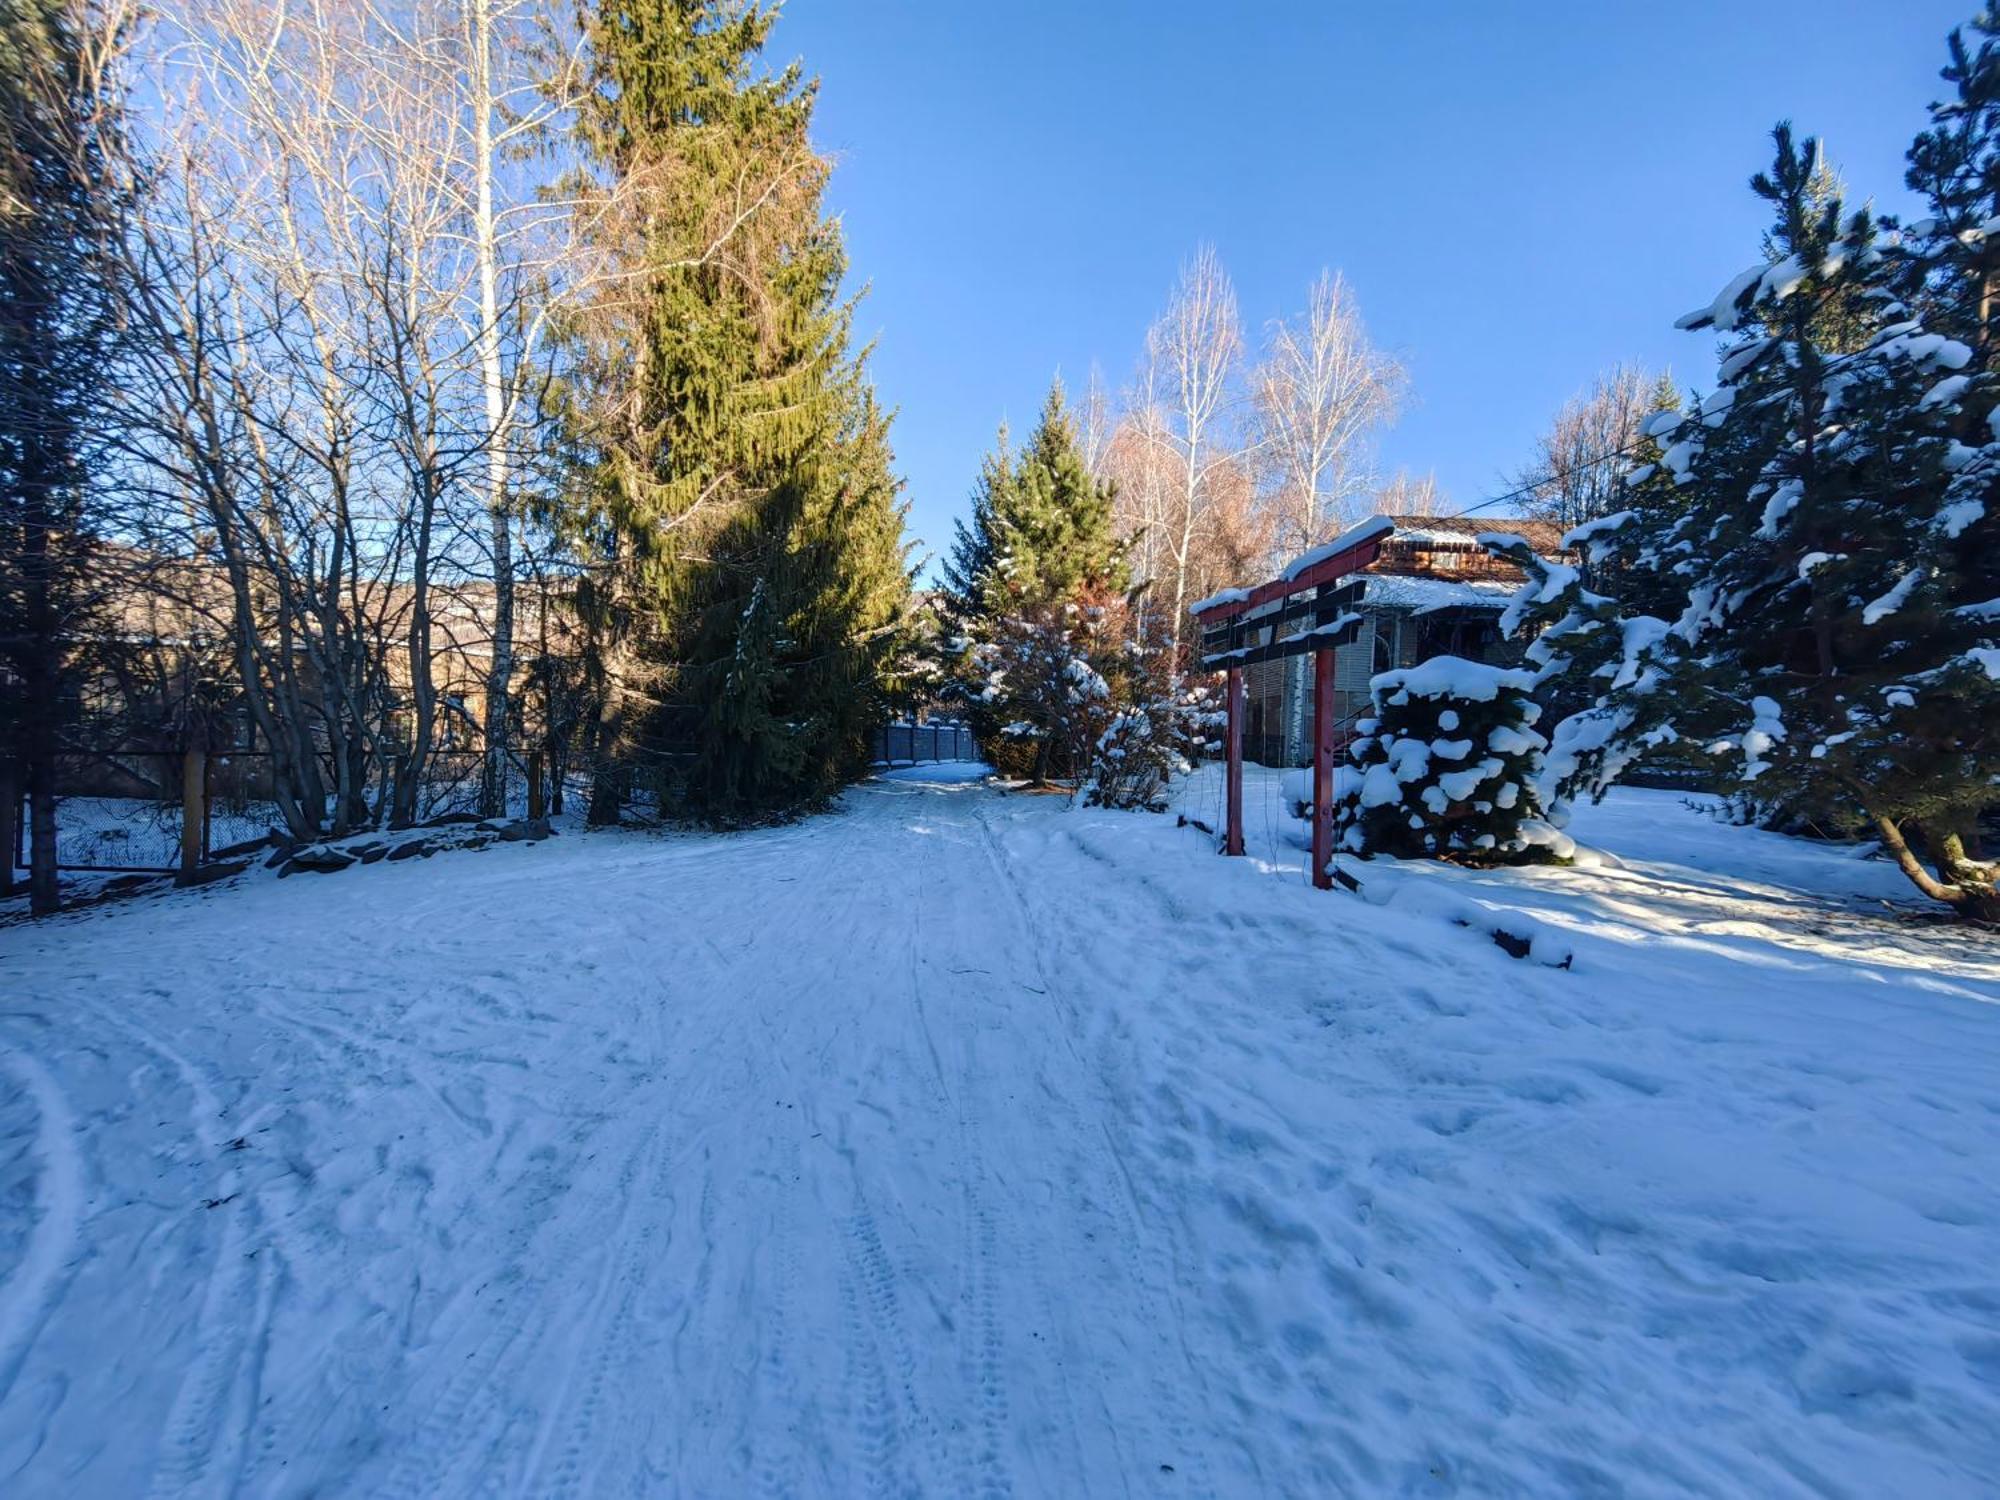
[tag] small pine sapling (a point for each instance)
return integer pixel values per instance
(1155, 736)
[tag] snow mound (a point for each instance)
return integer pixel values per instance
(938, 773)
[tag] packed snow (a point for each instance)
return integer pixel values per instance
(967, 1142)
(1424, 595)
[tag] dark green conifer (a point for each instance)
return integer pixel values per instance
(58, 317)
(753, 573)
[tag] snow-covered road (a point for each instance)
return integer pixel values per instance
(962, 1144)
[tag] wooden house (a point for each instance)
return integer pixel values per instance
(1432, 591)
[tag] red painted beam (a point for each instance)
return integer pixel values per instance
(1326, 570)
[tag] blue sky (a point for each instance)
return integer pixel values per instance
(1519, 194)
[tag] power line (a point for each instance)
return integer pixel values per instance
(1529, 489)
(1832, 362)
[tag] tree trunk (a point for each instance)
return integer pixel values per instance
(194, 811)
(1975, 899)
(41, 697)
(607, 792)
(44, 894)
(423, 691)
(607, 776)
(500, 669)
(10, 809)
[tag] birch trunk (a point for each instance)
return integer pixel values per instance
(492, 377)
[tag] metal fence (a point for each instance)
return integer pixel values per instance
(908, 743)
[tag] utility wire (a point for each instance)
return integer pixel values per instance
(1532, 486)
(1831, 362)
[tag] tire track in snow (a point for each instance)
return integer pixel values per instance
(652, 1184)
(28, 1296)
(988, 1477)
(207, 1447)
(455, 1434)
(559, 1455)
(889, 1334)
(777, 1359)
(875, 1430)
(206, 1441)
(1147, 1256)
(613, 1338)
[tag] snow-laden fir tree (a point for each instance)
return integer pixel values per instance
(1834, 638)
(1032, 584)
(1040, 696)
(1162, 726)
(1585, 647)
(1448, 766)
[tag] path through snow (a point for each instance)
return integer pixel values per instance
(965, 1144)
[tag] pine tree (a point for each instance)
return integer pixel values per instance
(749, 529)
(1449, 765)
(1033, 582)
(969, 569)
(1952, 260)
(57, 322)
(1833, 650)
(1050, 525)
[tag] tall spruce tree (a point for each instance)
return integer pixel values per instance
(1040, 531)
(1030, 580)
(57, 318)
(969, 568)
(789, 652)
(1835, 649)
(1051, 525)
(751, 564)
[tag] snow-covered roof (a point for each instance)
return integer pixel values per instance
(1354, 536)
(1217, 599)
(1422, 595)
(1451, 532)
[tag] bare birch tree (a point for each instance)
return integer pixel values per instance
(521, 77)
(1575, 475)
(303, 274)
(1193, 357)
(1321, 396)
(1407, 494)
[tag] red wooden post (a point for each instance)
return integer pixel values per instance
(1322, 768)
(1232, 842)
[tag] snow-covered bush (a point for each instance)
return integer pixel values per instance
(1448, 766)
(1042, 679)
(1165, 724)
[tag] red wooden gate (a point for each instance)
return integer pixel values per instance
(1241, 627)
